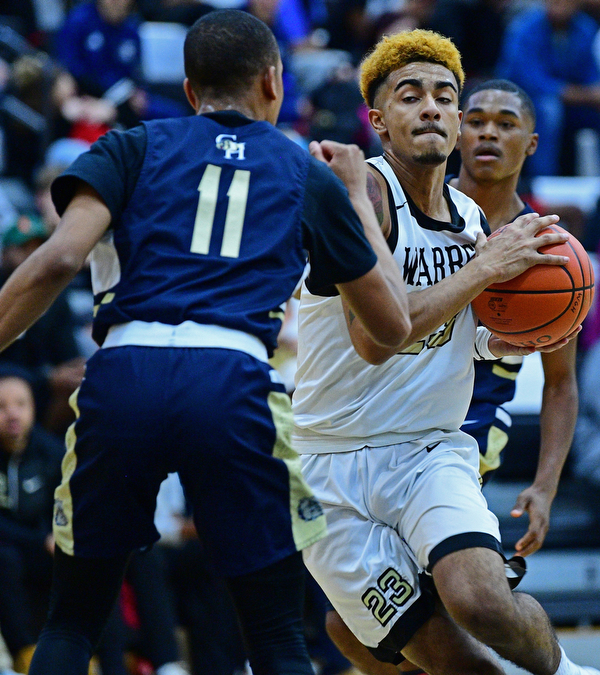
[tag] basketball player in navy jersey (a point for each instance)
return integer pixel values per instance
(198, 229)
(497, 135)
(381, 446)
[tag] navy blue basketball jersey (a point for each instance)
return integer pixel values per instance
(495, 384)
(213, 230)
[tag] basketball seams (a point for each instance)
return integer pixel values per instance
(570, 311)
(539, 327)
(493, 289)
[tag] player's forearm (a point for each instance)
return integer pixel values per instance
(30, 291)
(384, 300)
(557, 425)
(433, 306)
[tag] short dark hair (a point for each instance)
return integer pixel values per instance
(10, 370)
(505, 85)
(226, 50)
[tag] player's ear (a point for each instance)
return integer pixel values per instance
(533, 143)
(377, 121)
(270, 83)
(190, 95)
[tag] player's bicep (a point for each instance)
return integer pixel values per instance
(82, 225)
(378, 194)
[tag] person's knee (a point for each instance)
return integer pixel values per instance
(473, 588)
(336, 629)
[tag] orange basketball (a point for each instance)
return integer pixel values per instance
(545, 303)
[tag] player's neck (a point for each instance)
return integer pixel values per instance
(214, 105)
(498, 200)
(424, 184)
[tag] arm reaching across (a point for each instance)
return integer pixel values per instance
(497, 260)
(36, 283)
(378, 299)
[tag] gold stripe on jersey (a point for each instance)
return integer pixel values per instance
(109, 297)
(308, 520)
(279, 314)
(496, 441)
(62, 523)
(502, 372)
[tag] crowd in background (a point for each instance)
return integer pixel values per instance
(69, 72)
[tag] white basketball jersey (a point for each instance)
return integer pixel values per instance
(343, 403)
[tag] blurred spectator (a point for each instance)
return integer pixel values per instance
(349, 27)
(52, 109)
(19, 15)
(412, 14)
(178, 11)
(48, 349)
(336, 106)
(549, 52)
(141, 630)
(99, 44)
(30, 462)
(477, 28)
(291, 26)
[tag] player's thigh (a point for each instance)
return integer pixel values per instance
(232, 423)
(446, 510)
(115, 459)
(369, 576)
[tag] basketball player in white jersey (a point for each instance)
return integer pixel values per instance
(497, 135)
(382, 448)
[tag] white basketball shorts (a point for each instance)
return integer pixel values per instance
(392, 512)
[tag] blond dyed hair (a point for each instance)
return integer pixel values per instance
(395, 51)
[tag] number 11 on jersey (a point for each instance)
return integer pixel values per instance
(207, 204)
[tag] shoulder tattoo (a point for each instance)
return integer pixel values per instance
(374, 192)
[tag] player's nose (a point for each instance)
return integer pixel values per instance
(488, 130)
(429, 109)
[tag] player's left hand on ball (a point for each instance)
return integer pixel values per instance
(500, 348)
(561, 343)
(537, 504)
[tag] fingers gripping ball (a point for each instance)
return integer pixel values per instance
(545, 303)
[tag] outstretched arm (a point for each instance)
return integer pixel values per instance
(497, 260)
(557, 424)
(378, 298)
(36, 283)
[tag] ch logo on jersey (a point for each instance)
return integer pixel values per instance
(309, 509)
(228, 143)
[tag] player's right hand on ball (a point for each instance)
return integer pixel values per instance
(346, 161)
(514, 248)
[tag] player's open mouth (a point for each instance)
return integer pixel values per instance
(430, 130)
(487, 153)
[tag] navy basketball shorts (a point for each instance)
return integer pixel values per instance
(218, 417)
